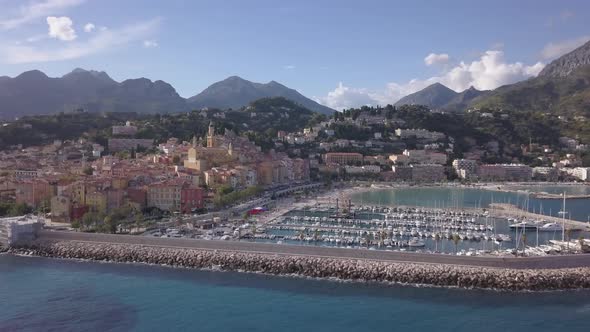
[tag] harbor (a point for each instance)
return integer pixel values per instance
(333, 219)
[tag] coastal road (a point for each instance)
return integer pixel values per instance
(546, 262)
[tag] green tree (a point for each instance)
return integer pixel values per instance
(456, 239)
(89, 219)
(75, 224)
(110, 225)
(19, 209)
(88, 170)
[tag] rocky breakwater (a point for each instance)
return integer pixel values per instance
(319, 267)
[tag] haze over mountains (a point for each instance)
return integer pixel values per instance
(33, 93)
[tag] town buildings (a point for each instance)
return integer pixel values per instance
(424, 173)
(504, 172)
(343, 158)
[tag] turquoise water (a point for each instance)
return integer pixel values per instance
(578, 209)
(39, 294)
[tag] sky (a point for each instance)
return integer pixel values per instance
(340, 53)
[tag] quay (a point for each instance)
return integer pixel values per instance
(542, 262)
(504, 210)
(518, 274)
(558, 196)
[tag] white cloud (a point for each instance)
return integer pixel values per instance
(35, 10)
(150, 43)
(436, 59)
(346, 97)
(554, 50)
(289, 67)
(488, 72)
(89, 27)
(61, 28)
(102, 41)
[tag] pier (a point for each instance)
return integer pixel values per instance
(510, 210)
(531, 274)
(544, 262)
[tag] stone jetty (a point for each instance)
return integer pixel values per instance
(318, 267)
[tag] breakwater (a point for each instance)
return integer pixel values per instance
(318, 267)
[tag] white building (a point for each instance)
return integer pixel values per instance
(374, 169)
(465, 168)
(419, 134)
(419, 157)
(15, 230)
(580, 173)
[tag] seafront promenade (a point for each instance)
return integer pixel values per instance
(545, 262)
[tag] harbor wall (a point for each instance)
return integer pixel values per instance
(509, 262)
(364, 270)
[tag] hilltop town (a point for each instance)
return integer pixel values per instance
(126, 178)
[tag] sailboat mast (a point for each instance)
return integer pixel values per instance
(563, 219)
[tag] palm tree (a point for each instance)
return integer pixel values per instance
(316, 235)
(253, 230)
(436, 239)
(523, 237)
(582, 243)
(301, 235)
(456, 239)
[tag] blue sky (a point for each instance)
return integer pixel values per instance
(341, 53)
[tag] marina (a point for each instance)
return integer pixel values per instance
(419, 229)
(333, 221)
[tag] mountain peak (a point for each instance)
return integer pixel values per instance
(32, 74)
(435, 95)
(235, 78)
(568, 63)
(235, 92)
(437, 85)
(80, 72)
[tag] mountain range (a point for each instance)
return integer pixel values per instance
(33, 92)
(438, 96)
(562, 87)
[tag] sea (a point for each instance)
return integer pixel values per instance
(42, 294)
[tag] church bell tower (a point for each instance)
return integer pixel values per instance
(211, 136)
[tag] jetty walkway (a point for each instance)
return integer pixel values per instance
(545, 262)
(510, 210)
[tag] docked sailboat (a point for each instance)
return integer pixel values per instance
(525, 224)
(416, 242)
(551, 227)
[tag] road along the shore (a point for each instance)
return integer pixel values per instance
(546, 262)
